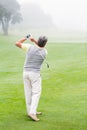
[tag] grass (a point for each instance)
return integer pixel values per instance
(64, 96)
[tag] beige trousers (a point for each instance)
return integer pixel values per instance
(32, 89)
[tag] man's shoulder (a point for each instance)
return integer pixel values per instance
(26, 46)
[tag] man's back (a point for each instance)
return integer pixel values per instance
(34, 58)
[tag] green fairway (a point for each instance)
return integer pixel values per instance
(64, 96)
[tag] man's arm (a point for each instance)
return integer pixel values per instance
(19, 43)
(33, 40)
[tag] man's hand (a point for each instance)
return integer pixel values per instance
(28, 36)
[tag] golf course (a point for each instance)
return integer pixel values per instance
(63, 101)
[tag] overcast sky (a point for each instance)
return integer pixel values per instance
(66, 14)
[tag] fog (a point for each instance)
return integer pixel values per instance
(62, 19)
(66, 18)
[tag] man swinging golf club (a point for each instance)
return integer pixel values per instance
(35, 55)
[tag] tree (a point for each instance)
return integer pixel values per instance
(35, 17)
(9, 14)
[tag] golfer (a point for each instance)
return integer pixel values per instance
(35, 55)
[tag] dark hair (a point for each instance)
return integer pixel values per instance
(42, 41)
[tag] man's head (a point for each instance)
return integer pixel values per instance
(42, 40)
